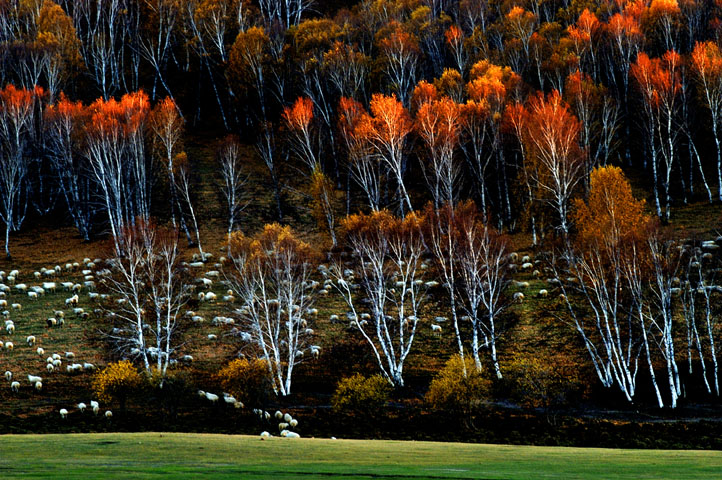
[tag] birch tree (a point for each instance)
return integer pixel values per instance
(387, 266)
(271, 278)
(17, 113)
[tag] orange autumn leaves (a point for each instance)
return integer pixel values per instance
(611, 213)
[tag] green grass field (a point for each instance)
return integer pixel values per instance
(150, 455)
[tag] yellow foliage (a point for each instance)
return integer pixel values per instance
(246, 380)
(115, 381)
(452, 390)
(361, 394)
(611, 212)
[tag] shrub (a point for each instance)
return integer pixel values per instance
(453, 391)
(116, 382)
(246, 380)
(362, 395)
(546, 384)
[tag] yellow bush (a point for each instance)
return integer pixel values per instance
(245, 380)
(361, 394)
(116, 381)
(451, 390)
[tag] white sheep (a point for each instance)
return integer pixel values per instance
(212, 336)
(527, 266)
(108, 414)
(315, 350)
(16, 306)
(30, 340)
(278, 415)
(289, 434)
(435, 328)
(287, 417)
(49, 367)
(38, 386)
(3, 303)
(41, 351)
(33, 295)
(72, 300)
(88, 366)
(212, 397)
(8, 375)
(9, 345)
(518, 297)
(63, 413)
(15, 386)
(82, 407)
(543, 293)
(293, 423)
(282, 426)
(69, 355)
(10, 327)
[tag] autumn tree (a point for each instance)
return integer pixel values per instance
(298, 119)
(400, 50)
(659, 84)
(387, 266)
(607, 263)
(148, 284)
(437, 123)
(707, 64)
(555, 158)
(385, 130)
(363, 166)
(116, 150)
(488, 91)
(65, 124)
(167, 127)
(271, 278)
(17, 114)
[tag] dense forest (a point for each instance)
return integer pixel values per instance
(434, 170)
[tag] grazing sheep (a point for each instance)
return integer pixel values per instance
(8, 375)
(293, 423)
(16, 306)
(211, 397)
(69, 355)
(49, 367)
(282, 426)
(210, 297)
(3, 303)
(518, 297)
(15, 386)
(51, 322)
(278, 415)
(50, 286)
(108, 414)
(436, 328)
(38, 386)
(41, 351)
(288, 434)
(72, 300)
(527, 266)
(287, 417)
(63, 413)
(543, 293)
(33, 295)
(88, 366)
(315, 351)
(265, 435)
(10, 327)
(9, 345)
(212, 336)
(57, 363)
(82, 407)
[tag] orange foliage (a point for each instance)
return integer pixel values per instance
(424, 92)
(299, 115)
(611, 212)
(389, 122)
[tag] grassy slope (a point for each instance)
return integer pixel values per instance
(148, 455)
